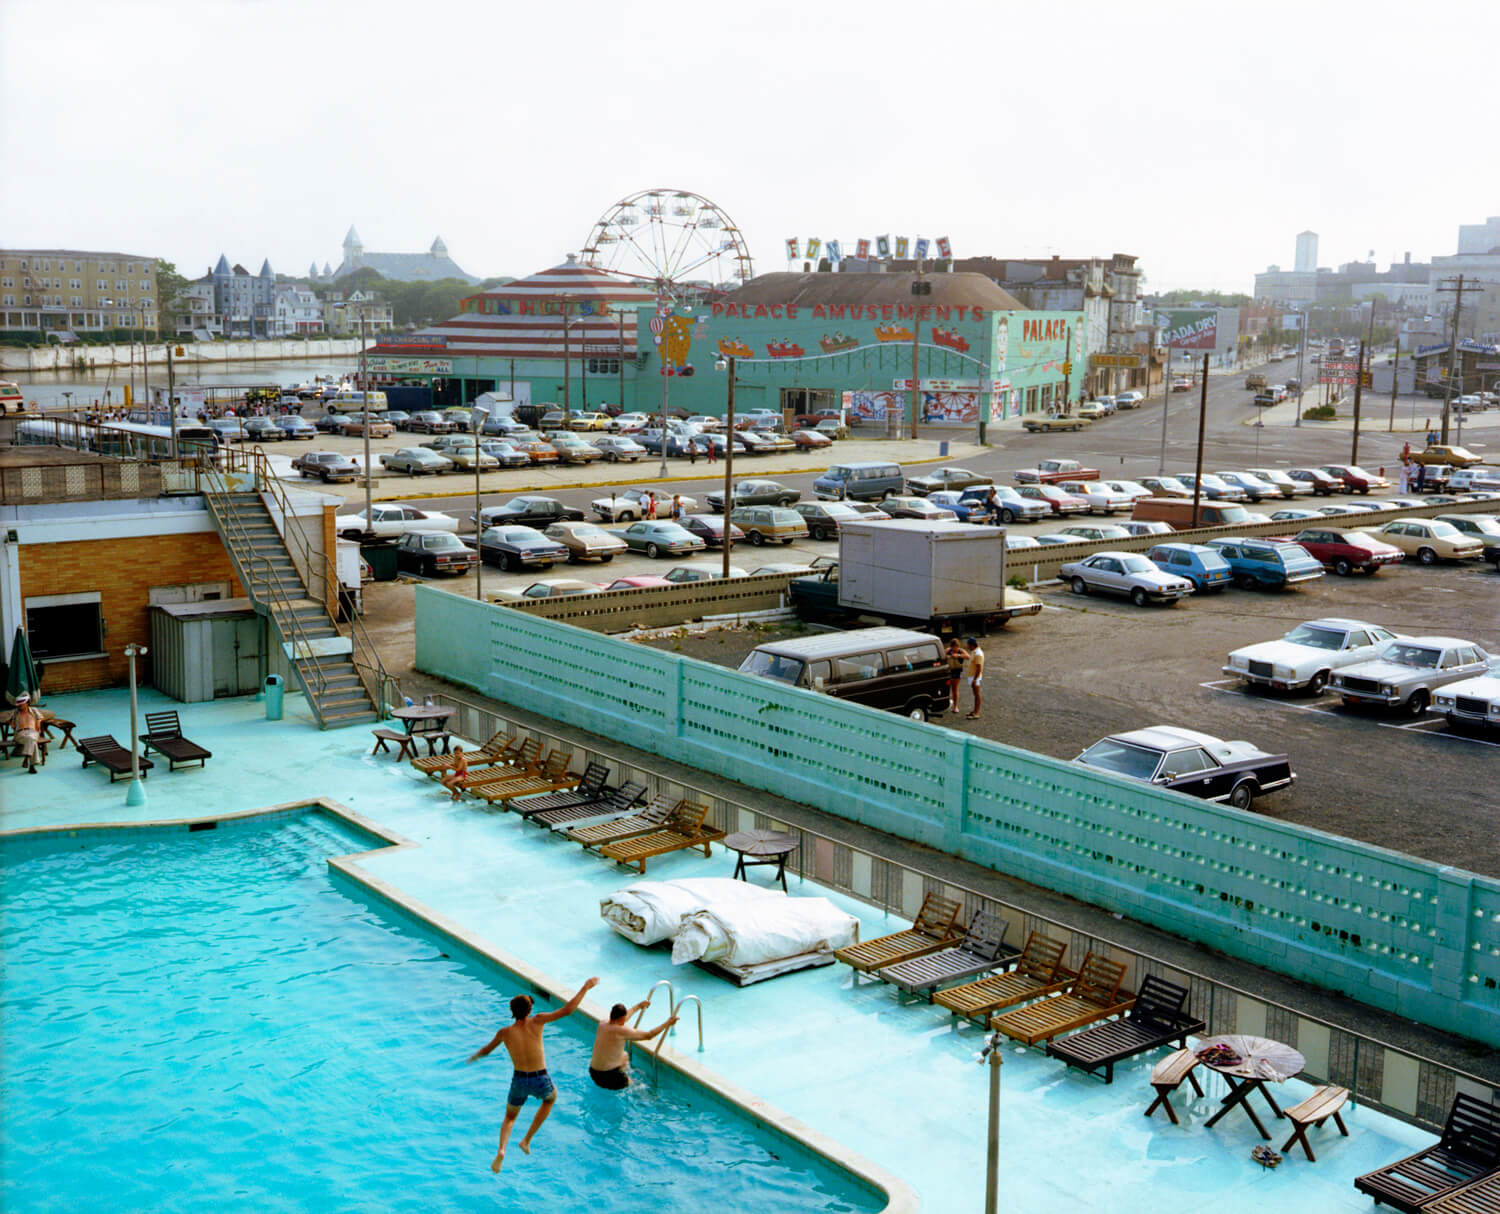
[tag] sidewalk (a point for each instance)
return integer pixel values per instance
(1414, 415)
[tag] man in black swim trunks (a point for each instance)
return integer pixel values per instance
(610, 1066)
(523, 1041)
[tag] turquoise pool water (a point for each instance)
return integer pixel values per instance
(208, 1021)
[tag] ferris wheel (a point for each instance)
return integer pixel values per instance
(673, 242)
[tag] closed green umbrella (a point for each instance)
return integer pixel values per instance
(21, 677)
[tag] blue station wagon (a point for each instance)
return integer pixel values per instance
(1267, 563)
(1200, 564)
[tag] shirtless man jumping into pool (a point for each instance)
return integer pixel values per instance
(610, 1065)
(523, 1041)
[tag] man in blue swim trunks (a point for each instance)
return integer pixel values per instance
(523, 1041)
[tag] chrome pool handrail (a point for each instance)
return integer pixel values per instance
(671, 998)
(677, 1008)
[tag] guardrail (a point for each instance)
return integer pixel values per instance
(662, 606)
(84, 481)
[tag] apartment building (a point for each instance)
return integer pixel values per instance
(70, 291)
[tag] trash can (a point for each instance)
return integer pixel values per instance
(382, 558)
(274, 693)
(943, 449)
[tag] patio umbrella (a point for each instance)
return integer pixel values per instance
(21, 677)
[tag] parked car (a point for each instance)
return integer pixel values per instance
(432, 552)
(965, 509)
(915, 507)
(824, 519)
(1252, 486)
(430, 421)
(506, 454)
(1052, 423)
(1127, 573)
(329, 465)
(589, 421)
(1211, 488)
(547, 588)
(753, 493)
(1483, 527)
(1279, 479)
(810, 440)
(1057, 501)
(465, 454)
(1134, 490)
(1273, 563)
(571, 448)
(622, 505)
(293, 425)
(1182, 384)
(585, 541)
(832, 428)
(1165, 486)
(1407, 671)
(264, 430)
(397, 417)
(945, 478)
(710, 529)
(1190, 762)
(865, 509)
(1129, 400)
(1100, 533)
(514, 547)
(1001, 504)
(552, 419)
(627, 423)
(1438, 453)
(1307, 656)
(1093, 410)
(1100, 497)
(1147, 527)
(379, 427)
(500, 427)
(528, 510)
(1051, 471)
(1355, 479)
(331, 423)
(1431, 540)
(1205, 567)
(660, 537)
(680, 574)
(617, 448)
(1473, 701)
(1345, 551)
(1016, 543)
(415, 461)
(762, 524)
(392, 521)
(1315, 481)
(537, 451)
(1295, 514)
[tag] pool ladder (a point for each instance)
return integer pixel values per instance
(676, 1006)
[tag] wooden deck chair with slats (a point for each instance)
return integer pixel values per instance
(1157, 1018)
(648, 819)
(495, 751)
(528, 761)
(616, 803)
(593, 785)
(684, 830)
(1093, 996)
(164, 735)
(935, 927)
(1480, 1196)
(552, 776)
(1468, 1149)
(1039, 972)
(108, 753)
(982, 949)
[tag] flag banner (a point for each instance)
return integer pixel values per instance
(902, 245)
(923, 244)
(791, 249)
(835, 251)
(862, 248)
(813, 245)
(882, 246)
(944, 248)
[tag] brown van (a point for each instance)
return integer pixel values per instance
(1177, 512)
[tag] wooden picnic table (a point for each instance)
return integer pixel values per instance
(768, 846)
(426, 721)
(1260, 1061)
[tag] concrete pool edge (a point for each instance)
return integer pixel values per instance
(900, 1197)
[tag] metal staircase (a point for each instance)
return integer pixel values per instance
(339, 671)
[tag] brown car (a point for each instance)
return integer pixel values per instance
(379, 427)
(537, 451)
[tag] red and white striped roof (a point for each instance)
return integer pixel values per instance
(524, 319)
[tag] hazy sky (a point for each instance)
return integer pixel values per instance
(1199, 135)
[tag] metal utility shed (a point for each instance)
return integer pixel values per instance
(207, 650)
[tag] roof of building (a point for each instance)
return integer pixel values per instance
(352, 238)
(406, 267)
(222, 265)
(948, 290)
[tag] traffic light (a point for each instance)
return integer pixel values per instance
(1067, 368)
(1367, 379)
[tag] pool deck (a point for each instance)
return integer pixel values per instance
(896, 1084)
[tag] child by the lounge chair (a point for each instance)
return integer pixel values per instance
(454, 780)
(610, 1065)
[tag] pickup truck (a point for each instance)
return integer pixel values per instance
(1049, 423)
(1256, 379)
(1050, 471)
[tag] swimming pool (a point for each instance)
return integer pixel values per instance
(212, 1020)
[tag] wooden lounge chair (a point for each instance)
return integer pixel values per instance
(498, 749)
(1093, 996)
(682, 831)
(593, 785)
(1167, 1076)
(107, 752)
(982, 949)
(528, 762)
(1468, 1149)
(551, 777)
(648, 819)
(1325, 1102)
(1155, 1019)
(1481, 1196)
(164, 735)
(1039, 972)
(935, 927)
(615, 804)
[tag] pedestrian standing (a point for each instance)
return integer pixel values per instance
(976, 675)
(713, 450)
(650, 505)
(692, 449)
(957, 657)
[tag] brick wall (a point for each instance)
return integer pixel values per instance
(123, 571)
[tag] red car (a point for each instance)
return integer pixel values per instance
(1356, 479)
(808, 439)
(1055, 498)
(1346, 551)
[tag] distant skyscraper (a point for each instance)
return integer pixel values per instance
(1307, 252)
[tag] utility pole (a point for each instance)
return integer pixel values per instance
(1390, 427)
(364, 385)
(567, 366)
(1359, 382)
(1453, 364)
(172, 399)
(1301, 351)
(1202, 424)
(920, 289)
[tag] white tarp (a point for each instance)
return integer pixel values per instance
(752, 933)
(650, 911)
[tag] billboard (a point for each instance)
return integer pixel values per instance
(1195, 329)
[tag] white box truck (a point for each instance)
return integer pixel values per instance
(948, 577)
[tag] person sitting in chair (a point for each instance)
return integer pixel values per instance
(27, 724)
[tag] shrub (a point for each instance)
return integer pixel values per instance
(1319, 413)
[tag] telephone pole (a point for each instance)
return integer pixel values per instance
(1453, 364)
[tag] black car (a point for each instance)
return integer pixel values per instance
(293, 425)
(710, 529)
(754, 493)
(529, 511)
(432, 552)
(513, 547)
(331, 423)
(1192, 763)
(263, 430)
(397, 417)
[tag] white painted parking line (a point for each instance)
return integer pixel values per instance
(1430, 726)
(1219, 686)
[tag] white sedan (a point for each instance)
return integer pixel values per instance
(1127, 573)
(1100, 497)
(1308, 654)
(1473, 701)
(391, 522)
(623, 505)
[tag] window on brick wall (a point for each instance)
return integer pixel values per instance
(65, 625)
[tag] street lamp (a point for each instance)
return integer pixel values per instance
(136, 793)
(725, 362)
(991, 1054)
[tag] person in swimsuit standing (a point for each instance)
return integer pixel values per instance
(523, 1041)
(610, 1065)
(976, 675)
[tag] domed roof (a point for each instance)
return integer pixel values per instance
(948, 290)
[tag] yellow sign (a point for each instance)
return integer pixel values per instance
(1115, 360)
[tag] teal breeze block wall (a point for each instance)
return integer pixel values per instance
(1399, 933)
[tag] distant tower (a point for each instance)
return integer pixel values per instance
(354, 251)
(439, 249)
(312, 272)
(1307, 253)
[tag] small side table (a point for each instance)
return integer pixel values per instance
(766, 846)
